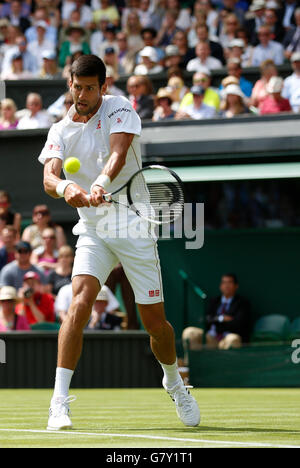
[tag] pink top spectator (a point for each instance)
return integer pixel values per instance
(21, 324)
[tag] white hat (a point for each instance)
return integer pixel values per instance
(257, 5)
(274, 85)
(171, 50)
(237, 43)
(102, 295)
(49, 54)
(8, 293)
(234, 89)
(204, 70)
(295, 57)
(41, 24)
(272, 5)
(149, 52)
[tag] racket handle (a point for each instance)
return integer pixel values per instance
(106, 197)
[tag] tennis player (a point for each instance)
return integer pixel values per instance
(103, 133)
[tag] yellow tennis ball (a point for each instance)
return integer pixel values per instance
(72, 165)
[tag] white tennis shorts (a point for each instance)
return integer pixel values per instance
(97, 256)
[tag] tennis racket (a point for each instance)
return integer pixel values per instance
(155, 193)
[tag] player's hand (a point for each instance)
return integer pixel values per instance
(96, 196)
(76, 196)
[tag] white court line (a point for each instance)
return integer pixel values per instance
(149, 437)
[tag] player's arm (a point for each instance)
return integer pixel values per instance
(119, 145)
(74, 195)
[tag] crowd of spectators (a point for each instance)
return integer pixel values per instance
(139, 39)
(35, 276)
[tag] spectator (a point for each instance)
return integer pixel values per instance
(274, 102)
(235, 49)
(259, 91)
(163, 110)
(172, 57)
(86, 14)
(177, 90)
(30, 63)
(62, 273)
(98, 36)
(63, 301)
(291, 85)
(211, 96)
(149, 65)
(246, 58)
(183, 21)
(75, 34)
(133, 31)
(41, 44)
(9, 320)
(140, 93)
(16, 16)
(216, 50)
(8, 118)
(110, 80)
(36, 117)
(234, 7)
(148, 18)
(197, 110)
(205, 7)
(168, 29)
(233, 102)
(252, 25)
(49, 70)
(7, 216)
(287, 13)
(66, 73)
(41, 14)
(102, 318)
(203, 59)
(110, 59)
(110, 41)
(41, 218)
(267, 49)
(46, 255)
(13, 273)
(186, 53)
(6, 9)
(228, 320)
(107, 11)
(17, 71)
(276, 28)
(234, 68)
(35, 305)
(8, 44)
(291, 41)
(117, 276)
(125, 56)
(131, 5)
(149, 37)
(9, 236)
(230, 29)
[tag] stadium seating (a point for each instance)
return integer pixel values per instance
(45, 326)
(273, 327)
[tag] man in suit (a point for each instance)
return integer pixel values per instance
(228, 320)
(15, 17)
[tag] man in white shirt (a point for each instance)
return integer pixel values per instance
(30, 62)
(267, 49)
(103, 133)
(41, 44)
(197, 109)
(291, 84)
(203, 59)
(36, 116)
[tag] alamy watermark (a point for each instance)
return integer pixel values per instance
(296, 354)
(2, 352)
(117, 222)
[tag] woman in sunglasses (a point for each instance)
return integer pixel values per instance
(41, 218)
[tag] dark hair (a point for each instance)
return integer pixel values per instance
(152, 31)
(5, 194)
(231, 275)
(89, 65)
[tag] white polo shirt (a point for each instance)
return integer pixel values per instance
(89, 142)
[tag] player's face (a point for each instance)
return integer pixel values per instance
(87, 94)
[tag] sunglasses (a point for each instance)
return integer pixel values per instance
(48, 237)
(23, 251)
(42, 213)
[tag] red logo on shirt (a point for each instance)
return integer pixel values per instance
(153, 293)
(99, 125)
(119, 120)
(54, 147)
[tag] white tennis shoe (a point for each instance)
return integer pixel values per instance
(186, 406)
(59, 414)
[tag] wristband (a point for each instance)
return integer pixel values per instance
(103, 180)
(61, 187)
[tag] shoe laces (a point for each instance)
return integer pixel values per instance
(181, 395)
(60, 406)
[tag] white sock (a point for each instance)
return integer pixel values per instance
(172, 376)
(62, 382)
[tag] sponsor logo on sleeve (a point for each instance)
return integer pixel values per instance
(116, 111)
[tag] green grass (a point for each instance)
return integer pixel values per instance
(229, 416)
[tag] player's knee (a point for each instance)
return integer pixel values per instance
(80, 311)
(156, 327)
